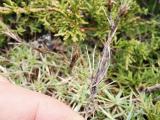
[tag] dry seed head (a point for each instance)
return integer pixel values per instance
(110, 4)
(123, 10)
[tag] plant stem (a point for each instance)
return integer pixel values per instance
(6, 10)
(106, 56)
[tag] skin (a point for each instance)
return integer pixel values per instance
(17, 103)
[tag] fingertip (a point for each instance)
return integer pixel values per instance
(50, 108)
(3, 79)
(78, 117)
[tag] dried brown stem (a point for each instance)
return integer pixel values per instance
(102, 68)
(12, 35)
(9, 33)
(75, 57)
(152, 89)
(105, 59)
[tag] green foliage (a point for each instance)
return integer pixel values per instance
(151, 5)
(75, 20)
(146, 109)
(136, 62)
(2, 40)
(135, 53)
